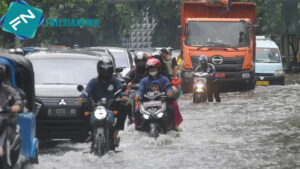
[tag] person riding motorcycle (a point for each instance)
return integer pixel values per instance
(9, 97)
(139, 72)
(163, 68)
(153, 67)
(212, 86)
(105, 86)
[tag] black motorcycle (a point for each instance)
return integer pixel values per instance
(102, 122)
(9, 140)
(153, 112)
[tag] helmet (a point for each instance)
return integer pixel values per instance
(164, 50)
(155, 82)
(140, 60)
(105, 68)
(158, 56)
(153, 62)
(203, 59)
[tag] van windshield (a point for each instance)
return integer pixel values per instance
(64, 71)
(218, 34)
(267, 55)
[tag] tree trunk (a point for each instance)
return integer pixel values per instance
(294, 43)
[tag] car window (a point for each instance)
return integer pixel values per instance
(267, 55)
(64, 71)
(121, 59)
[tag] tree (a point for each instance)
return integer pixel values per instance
(291, 27)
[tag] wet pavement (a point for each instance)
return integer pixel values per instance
(255, 129)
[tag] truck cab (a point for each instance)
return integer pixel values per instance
(226, 37)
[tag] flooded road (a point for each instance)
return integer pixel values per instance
(256, 129)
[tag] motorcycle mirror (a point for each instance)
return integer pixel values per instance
(80, 88)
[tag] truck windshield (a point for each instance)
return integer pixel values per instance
(267, 55)
(217, 34)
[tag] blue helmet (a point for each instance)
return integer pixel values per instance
(203, 59)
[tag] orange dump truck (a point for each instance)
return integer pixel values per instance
(225, 34)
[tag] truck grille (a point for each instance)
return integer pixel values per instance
(228, 65)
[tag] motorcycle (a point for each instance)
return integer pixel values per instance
(153, 112)
(11, 144)
(102, 122)
(200, 87)
(21, 148)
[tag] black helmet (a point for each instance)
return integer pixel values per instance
(140, 60)
(2, 73)
(105, 68)
(165, 51)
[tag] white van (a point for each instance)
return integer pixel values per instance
(268, 63)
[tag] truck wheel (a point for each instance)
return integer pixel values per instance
(249, 86)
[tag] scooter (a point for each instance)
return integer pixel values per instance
(200, 87)
(102, 122)
(11, 144)
(153, 112)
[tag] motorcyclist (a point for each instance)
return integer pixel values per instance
(136, 74)
(170, 63)
(212, 86)
(105, 86)
(163, 68)
(153, 67)
(9, 98)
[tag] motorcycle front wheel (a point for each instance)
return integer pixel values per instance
(100, 142)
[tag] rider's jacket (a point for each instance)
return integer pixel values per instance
(9, 96)
(210, 68)
(98, 90)
(135, 75)
(146, 85)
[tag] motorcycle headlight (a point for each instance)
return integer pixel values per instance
(279, 73)
(146, 116)
(199, 86)
(159, 115)
(100, 112)
(199, 90)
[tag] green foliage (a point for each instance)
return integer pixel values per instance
(116, 19)
(3, 7)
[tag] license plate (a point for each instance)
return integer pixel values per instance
(263, 83)
(61, 112)
(220, 75)
(152, 103)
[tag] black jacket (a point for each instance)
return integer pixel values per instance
(9, 96)
(135, 76)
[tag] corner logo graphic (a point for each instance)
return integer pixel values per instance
(22, 20)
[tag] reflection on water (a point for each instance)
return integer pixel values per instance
(256, 129)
